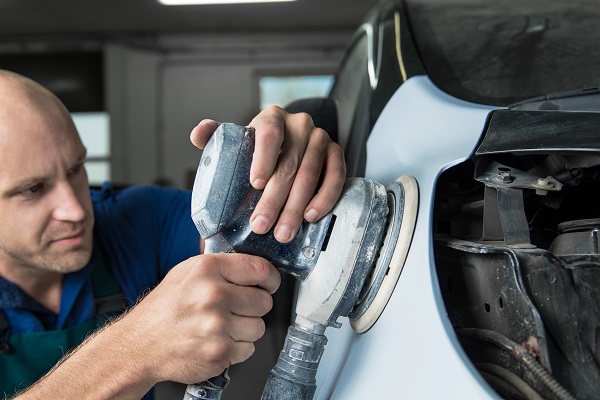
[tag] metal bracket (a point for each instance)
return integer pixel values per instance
(496, 175)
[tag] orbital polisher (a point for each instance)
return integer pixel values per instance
(347, 263)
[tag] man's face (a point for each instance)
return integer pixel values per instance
(45, 208)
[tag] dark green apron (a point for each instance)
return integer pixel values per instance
(27, 357)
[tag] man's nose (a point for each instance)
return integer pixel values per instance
(68, 206)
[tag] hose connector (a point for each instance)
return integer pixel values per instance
(294, 375)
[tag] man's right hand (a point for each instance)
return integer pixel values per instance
(204, 316)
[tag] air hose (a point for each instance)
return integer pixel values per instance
(521, 354)
(294, 374)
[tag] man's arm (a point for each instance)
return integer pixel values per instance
(203, 317)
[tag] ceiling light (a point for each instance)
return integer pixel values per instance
(203, 2)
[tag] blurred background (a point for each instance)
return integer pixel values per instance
(138, 75)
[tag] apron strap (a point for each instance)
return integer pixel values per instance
(5, 347)
(109, 299)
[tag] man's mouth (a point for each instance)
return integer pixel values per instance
(71, 239)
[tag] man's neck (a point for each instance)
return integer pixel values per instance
(43, 286)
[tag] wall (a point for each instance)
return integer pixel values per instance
(157, 94)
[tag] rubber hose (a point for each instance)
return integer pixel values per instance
(522, 355)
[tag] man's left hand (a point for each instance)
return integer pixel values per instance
(291, 157)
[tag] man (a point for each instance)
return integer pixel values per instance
(66, 257)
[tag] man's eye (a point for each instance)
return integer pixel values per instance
(76, 169)
(34, 189)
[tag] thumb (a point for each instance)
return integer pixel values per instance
(202, 132)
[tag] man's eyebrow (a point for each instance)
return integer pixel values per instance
(34, 180)
(82, 157)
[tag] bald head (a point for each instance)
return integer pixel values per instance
(31, 111)
(18, 94)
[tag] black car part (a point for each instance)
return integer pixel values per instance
(517, 253)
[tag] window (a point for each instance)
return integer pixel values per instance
(94, 129)
(282, 90)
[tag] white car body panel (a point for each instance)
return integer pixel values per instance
(412, 351)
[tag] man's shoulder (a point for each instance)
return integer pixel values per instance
(122, 193)
(139, 205)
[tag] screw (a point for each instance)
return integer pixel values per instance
(542, 185)
(544, 182)
(504, 177)
(309, 252)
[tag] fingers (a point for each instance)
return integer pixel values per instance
(247, 270)
(300, 185)
(246, 329)
(290, 159)
(269, 126)
(298, 129)
(334, 177)
(204, 315)
(292, 156)
(239, 302)
(202, 132)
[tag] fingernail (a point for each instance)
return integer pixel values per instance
(283, 233)
(260, 224)
(311, 215)
(259, 183)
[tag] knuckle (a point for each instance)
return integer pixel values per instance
(321, 136)
(287, 166)
(213, 324)
(269, 206)
(335, 150)
(340, 176)
(308, 175)
(249, 349)
(219, 350)
(267, 304)
(304, 119)
(205, 262)
(273, 109)
(260, 329)
(261, 268)
(271, 133)
(336, 153)
(213, 295)
(291, 216)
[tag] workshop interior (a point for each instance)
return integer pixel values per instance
(461, 260)
(138, 75)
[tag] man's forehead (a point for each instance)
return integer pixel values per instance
(20, 168)
(35, 128)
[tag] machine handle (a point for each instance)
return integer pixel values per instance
(211, 389)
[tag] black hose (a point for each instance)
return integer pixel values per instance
(506, 380)
(521, 355)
